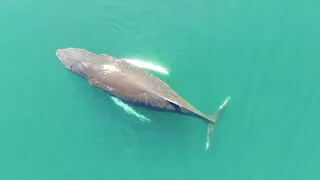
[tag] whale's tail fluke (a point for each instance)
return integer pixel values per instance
(214, 119)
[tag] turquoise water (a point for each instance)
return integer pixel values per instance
(264, 54)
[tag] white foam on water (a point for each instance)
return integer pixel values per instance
(129, 109)
(147, 65)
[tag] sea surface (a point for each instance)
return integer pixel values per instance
(265, 55)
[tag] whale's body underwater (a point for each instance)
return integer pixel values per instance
(131, 84)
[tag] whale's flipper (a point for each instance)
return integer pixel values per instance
(214, 119)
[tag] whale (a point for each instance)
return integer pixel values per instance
(132, 84)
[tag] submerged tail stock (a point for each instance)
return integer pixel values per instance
(214, 118)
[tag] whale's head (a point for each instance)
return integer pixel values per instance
(76, 60)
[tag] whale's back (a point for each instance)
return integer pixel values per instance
(139, 86)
